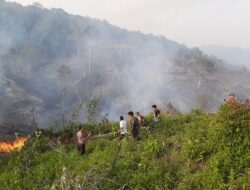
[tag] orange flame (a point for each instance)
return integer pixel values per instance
(7, 147)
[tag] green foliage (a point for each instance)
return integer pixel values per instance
(91, 111)
(191, 151)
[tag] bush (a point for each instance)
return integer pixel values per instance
(191, 151)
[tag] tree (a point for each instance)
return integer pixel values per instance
(91, 111)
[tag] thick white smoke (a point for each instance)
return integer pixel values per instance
(55, 61)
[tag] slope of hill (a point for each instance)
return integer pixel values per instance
(191, 151)
(52, 61)
(233, 56)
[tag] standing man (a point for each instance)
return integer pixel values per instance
(231, 99)
(81, 140)
(123, 128)
(156, 113)
(134, 125)
(141, 119)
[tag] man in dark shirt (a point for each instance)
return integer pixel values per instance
(134, 125)
(157, 113)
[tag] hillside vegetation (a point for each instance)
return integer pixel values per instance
(191, 151)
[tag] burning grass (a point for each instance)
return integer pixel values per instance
(17, 144)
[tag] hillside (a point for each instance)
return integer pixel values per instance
(192, 151)
(233, 56)
(51, 62)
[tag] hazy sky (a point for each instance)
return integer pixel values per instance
(193, 22)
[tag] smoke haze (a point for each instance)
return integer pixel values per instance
(193, 22)
(52, 61)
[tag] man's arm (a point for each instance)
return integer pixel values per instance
(158, 115)
(87, 138)
(121, 129)
(76, 140)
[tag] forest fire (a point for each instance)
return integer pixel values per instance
(7, 147)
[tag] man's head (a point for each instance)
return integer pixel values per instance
(154, 107)
(137, 113)
(121, 118)
(232, 95)
(81, 128)
(130, 115)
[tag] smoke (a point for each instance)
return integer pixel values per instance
(55, 61)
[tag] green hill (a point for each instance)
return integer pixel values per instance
(191, 151)
(50, 59)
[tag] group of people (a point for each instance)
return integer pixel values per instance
(136, 121)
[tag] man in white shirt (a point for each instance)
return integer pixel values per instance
(123, 128)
